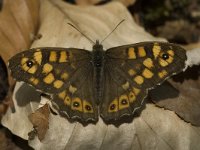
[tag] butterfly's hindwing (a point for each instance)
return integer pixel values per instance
(131, 70)
(78, 100)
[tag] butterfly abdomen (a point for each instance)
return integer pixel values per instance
(98, 63)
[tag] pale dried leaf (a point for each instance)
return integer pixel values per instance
(18, 25)
(19, 19)
(193, 57)
(155, 128)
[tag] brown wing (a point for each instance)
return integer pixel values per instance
(61, 72)
(48, 69)
(133, 69)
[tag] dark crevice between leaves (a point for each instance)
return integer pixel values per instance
(102, 2)
(4, 85)
(70, 1)
(1, 4)
(163, 92)
(192, 73)
(10, 141)
(177, 21)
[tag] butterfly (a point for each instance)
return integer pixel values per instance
(87, 84)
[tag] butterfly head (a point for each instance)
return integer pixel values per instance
(97, 46)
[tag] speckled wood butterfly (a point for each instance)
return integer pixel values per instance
(111, 83)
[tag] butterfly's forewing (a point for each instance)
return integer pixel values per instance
(131, 70)
(62, 73)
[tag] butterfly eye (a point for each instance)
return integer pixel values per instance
(29, 63)
(165, 56)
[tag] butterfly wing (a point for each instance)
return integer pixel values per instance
(62, 73)
(131, 70)
(77, 101)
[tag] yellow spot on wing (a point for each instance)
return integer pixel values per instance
(148, 63)
(33, 69)
(136, 91)
(131, 53)
(125, 86)
(141, 52)
(77, 100)
(72, 89)
(125, 98)
(62, 95)
(147, 73)
(168, 61)
(139, 79)
(131, 72)
(162, 62)
(52, 56)
(156, 50)
(33, 80)
(67, 100)
(49, 78)
(87, 104)
(131, 97)
(58, 84)
(24, 66)
(63, 57)
(170, 52)
(24, 60)
(38, 57)
(115, 103)
(162, 74)
(64, 76)
(47, 68)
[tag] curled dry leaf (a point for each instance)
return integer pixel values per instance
(40, 121)
(154, 128)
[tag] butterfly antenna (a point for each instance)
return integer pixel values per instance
(81, 32)
(112, 30)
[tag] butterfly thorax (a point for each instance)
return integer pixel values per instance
(98, 54)
(98, 63)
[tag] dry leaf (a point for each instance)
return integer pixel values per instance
(192, 45)
(180, 30)
(154, 128)
(186, 103)
(40, 121)
(19, 20)
(18, 25)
